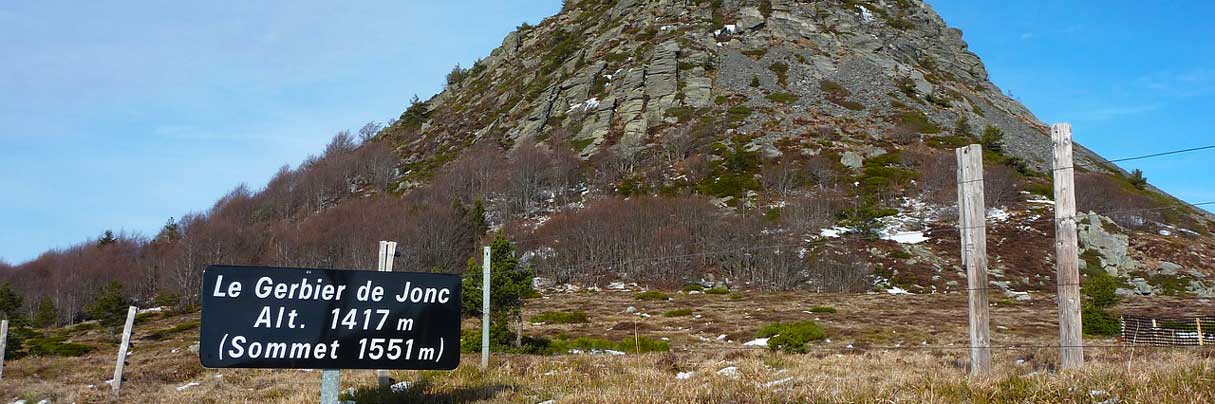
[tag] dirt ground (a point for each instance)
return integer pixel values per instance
(879, 348)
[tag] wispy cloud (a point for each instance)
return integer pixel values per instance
(1027, 36)
(1189, 83)
(1122, 111)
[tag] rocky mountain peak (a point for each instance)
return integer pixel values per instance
(612, 74)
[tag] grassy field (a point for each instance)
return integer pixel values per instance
(878, 348)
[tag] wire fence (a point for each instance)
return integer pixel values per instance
(1168, 331)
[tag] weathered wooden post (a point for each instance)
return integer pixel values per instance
(1197, 324)
(388, 250)
(486, 257)
(1067, 260)
(3, 344)
(972, 222)
(122, 349)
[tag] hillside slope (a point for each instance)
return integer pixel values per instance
(797, 116)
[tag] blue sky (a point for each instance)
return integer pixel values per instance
(123, 114)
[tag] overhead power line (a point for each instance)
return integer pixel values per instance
(1168, 153)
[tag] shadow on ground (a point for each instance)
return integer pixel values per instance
(422, 392)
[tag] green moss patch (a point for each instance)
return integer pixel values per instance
(791, 337)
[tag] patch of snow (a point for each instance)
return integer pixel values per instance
(400, 387)
(895, 291)
(1165, 232)
(187, 385)
(684, 375)
(616, 285)
(834, 232)
(44, 401)
(548, 402)
(998, 215)
(587, 105)
(150, 310)
(866, 15)
(721, 337)
(757, 342)
(905, 237)
(727, 29)
(613, 353)
(1040, 200)
(631, 309)
(728, 371)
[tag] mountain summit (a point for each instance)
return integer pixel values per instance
(619, 75)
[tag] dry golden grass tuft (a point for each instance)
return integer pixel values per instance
(925, 368)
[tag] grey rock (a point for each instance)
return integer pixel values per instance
(1169, 268)
(1141, 286)
(1112, 248)
(698, 90)
(596, 126)
(661, 79)
(852, 160)
(749, 19)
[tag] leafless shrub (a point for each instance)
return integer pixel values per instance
(474, 175)
(1000, 185)
(809, 214)
(1106, 195)
(838, 272)
(784, 175)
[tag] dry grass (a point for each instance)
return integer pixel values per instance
(830, 373)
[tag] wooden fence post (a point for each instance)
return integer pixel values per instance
(122, 349)
(486, 257)
(1067, 267)
(972, 223)
(3, 344)
(1197, 324)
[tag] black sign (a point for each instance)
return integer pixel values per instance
(257, 317)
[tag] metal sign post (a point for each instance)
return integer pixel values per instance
(330, 384)
(485, 308)
(388, 250)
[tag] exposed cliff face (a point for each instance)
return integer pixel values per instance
(618, 74)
